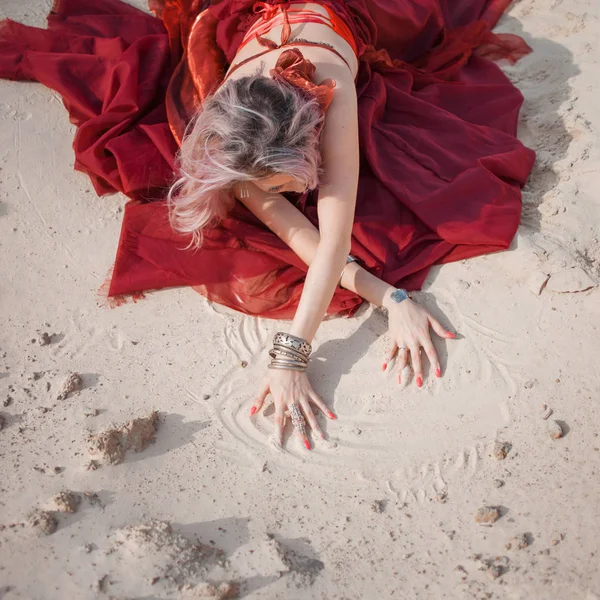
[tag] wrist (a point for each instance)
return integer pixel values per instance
(394, 296)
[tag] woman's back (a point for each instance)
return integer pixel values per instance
(325, 59)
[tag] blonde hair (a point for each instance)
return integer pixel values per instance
(250, 128)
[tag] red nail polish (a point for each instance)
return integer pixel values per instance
(323, 436)
(252, 410)
(331, 415)
(384, 367)
(307, 444)
(438, 373)
(451, 335)
(419, 381)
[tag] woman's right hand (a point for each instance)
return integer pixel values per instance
(289, 388)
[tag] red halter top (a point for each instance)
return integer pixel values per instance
(274, 15)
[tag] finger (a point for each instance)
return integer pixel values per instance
(299, 426)
(432, 356)
(402, 361)
(440, 330)
(260, 398)
(310, 417)
(389, 355)
(279, 421)
(322, 406)
(415, 357)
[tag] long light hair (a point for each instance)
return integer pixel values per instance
(250, 128)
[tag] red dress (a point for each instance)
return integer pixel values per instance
(441, 168)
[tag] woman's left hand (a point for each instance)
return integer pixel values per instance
(408, 326)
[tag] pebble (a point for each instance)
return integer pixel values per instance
(461, 571)
(517, 543)
(555, 430)
(44, 339)
(487, 515)
(43, 520)
(67, 501)
(90, 412)
(546, 412)
(500, 450)
(72, 383)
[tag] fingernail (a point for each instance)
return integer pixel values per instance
(438, 373)
(384, 367)
(419, 381)
(451, 335)
(323, 436)
(307, 444)
(252, 410)
(331, 415)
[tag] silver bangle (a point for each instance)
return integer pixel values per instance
(348, 261)
(278, 349)
(287, 340)
(287, 367)
(284, 364)
(276, 354)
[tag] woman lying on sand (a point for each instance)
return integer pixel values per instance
(325, 154)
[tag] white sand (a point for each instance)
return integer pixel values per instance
(212, 473)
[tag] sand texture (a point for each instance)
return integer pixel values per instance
(194, 501)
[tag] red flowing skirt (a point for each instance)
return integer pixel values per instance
(441, 168)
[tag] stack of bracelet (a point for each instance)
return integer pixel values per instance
(289, 352)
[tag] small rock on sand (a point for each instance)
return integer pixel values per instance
(461, 571)
(500, 450)
(72, 383)
(140, 432)
(442, 497)
(494, 571)
(135, 435)
(44, 521)
(518, 542)
(67, 501)
(173, 558)
(555, 430)
(224, 591)
(546, 412)
(109, 445)
(493, 566)
(487, 515)
(557, 538)
(44, 339)
(378, 506)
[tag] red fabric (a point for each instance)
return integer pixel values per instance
(273, 15)
(441, 168)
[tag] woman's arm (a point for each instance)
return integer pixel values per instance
(289, 224)
(337, 199)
